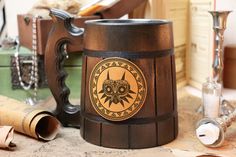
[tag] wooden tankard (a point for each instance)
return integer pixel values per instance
(128, 88)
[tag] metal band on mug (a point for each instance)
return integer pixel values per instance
(127, 54)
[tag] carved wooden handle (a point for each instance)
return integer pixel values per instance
(63, 32)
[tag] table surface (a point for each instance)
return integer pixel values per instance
(70, 144)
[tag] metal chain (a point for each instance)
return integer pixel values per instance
(35, 57)
(34, 68)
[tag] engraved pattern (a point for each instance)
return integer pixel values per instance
(117, 89)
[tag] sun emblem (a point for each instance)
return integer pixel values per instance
(116, 91)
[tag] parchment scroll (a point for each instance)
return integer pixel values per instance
(32, 121)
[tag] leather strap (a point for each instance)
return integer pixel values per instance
(127, 54)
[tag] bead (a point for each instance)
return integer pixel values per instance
(34, 36)
(34, 42)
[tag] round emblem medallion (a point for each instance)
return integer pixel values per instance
(117, 89)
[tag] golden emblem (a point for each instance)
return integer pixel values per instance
(117, 89)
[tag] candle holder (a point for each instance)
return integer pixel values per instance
(219, 26)
(211, 131)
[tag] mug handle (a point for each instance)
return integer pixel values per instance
(62, 32)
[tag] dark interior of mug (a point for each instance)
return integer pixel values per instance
(127, 21)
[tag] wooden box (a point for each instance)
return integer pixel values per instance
(73, 66)
(44, 25)
(229, 73)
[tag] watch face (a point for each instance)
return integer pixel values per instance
(117, 89)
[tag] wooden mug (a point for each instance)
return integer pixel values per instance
(128, 93)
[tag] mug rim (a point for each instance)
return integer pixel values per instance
(125, 22)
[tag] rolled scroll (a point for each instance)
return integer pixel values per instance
(6, 137)
(32, 121)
